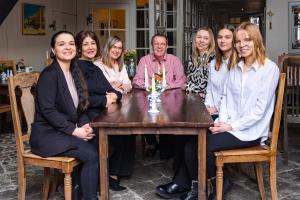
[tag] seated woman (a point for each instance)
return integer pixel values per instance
(60, 126)
(112, 65)
(246, 107)
(102, 96)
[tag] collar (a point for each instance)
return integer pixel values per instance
(255, 66)
(154, 59)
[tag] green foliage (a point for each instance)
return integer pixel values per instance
(130, 54)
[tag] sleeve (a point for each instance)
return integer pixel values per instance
(139, 78)
(265, 96)
(209, 97)
(47, 91)
(178, 78)
(223, 114)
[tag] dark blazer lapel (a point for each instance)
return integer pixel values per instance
(65, 89)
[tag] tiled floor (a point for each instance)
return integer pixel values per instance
(149, 173)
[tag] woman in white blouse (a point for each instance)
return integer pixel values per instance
(246, 107)
(218, 71)
(112, 65)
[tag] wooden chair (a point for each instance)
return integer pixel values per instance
(26, 82)
(291, 107)
(256, 154)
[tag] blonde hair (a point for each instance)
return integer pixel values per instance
(219, 53)
(259, 50)
(211, 46)
(105, 54)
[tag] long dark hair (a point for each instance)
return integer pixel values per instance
(81, 36)
(77, 75)
(219, 53)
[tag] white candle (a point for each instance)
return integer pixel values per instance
(146, 78)
(153, 85)
(47, 55)
(164, 82)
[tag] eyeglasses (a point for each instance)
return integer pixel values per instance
(245, 41)
(115, 47)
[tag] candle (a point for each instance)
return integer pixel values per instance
(47, 55)
(164, 82)
(146, 78)
(153, 85)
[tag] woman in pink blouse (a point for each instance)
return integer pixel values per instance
(112, 65)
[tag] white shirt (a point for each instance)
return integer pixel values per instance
(247, 101)
(114, 74)
(215, 83)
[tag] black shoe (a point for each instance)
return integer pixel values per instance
(191, 195)
(114, 185)
(170, 190)
(151, 151)
(227, 184)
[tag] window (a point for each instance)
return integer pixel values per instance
(294, 27)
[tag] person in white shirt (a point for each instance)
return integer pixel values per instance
(246, 107)
(112, 65)
(218, 71)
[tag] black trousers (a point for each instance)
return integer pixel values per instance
(88, 172)
(188, 169)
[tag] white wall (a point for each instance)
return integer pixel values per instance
(277, 37)
(14, 45)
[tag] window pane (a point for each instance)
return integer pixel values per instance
(171, 38)
(142, 39)
(171, 51)
(171, 20)
(117, 19)
(102, 36)
(100, 18)
(142, 17)
(142, 4)
(171, 5)
(160, 19)
(141, 53)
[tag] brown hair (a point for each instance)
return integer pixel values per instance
(259, 51)
(79, 40)
(105, 54)
(159, 35)
(211, 46)
(219, 53)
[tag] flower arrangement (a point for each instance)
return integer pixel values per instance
(130, 55)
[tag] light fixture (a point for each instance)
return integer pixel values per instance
(270, 14)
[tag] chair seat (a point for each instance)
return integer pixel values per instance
(4, 108)
(256, 150)
(53, 162)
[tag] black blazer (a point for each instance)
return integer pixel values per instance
(55, 114)
(98, 85)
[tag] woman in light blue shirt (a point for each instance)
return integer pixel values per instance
(246, 106)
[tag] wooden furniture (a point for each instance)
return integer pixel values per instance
(26, 82)
(180, 114)
(256, 154)
(291, 108)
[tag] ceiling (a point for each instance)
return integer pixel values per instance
(238, 7)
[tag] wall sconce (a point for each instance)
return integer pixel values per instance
(89, 19)
(270, 14)
(53, 25)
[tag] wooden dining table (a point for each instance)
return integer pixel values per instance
(179, 114)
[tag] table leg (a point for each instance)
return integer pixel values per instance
(202, 164)
(103, 155)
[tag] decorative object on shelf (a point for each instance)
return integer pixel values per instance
(89, 19)
(130, 60)
(33, 20)
(53, 25)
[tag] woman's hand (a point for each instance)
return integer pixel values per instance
(220, 127)
(111, 98)
(83, 133)
(212, 110)
(116, 85)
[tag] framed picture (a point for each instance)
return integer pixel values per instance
(33, 19)
(294, 27)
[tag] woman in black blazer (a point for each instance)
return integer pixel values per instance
(60, 124)
(103, 96)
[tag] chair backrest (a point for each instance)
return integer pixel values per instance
(291, 66)
(277, 113)
(22, 86)
(10, 63)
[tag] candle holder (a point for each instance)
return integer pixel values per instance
(152, 103)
